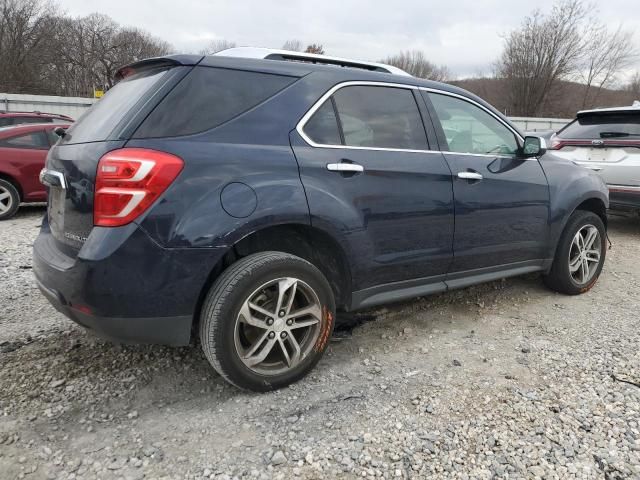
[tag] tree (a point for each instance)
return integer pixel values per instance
(45, 53)
(545, 49)
(606, 54)
(293, 45)
(415, 63)
(216, 46)
(315, 48)
(634, 85)
(25, 28)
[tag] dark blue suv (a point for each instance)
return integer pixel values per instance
(244, 201)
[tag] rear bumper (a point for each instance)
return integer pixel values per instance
(173, 331)
(127, 289)
(624, 197)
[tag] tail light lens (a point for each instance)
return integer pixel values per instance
(128, 181)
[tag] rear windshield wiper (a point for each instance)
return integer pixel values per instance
(618, 134)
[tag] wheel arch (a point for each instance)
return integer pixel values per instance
(313, 244)
(12, 180)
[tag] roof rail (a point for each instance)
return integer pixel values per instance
(287, 55)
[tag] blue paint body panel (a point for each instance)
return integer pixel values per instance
(405, 226)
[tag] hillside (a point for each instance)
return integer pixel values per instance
(563, 102)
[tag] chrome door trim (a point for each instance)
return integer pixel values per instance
(305, 118)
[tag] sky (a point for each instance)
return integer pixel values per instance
(465, 35)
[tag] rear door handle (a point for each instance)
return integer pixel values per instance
(345, 167)
(595, 169)
(470, 175)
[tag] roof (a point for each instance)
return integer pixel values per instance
(287, 55)
(635, 108)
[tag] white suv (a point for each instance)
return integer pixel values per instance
(607, 141)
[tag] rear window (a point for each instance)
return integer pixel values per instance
(208, 97)
(98, 123)
(603, 126)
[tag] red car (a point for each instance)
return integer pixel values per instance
(18, 118)
(23, 150)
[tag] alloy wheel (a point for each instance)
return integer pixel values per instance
(277, 326)
(585, 254)
(6, 200)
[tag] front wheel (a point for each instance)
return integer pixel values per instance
(267, 320)
(580, 254)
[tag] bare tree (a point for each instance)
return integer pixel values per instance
(293, 45)
(25, 27)
(606, 54)
(216, 46)
(315, 48)
(634, 85)
(542, 51)
(415, 63)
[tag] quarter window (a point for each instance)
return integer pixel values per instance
(322, 127)
(380, 117)
(470, 129)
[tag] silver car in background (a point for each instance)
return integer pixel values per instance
(607, 141)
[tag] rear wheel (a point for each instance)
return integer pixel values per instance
(580, 254)
(267, 321)
(9, 200)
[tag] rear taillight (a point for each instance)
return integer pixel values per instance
(128, 181)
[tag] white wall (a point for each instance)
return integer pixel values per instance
(71, 106)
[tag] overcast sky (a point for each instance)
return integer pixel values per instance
(465, 35)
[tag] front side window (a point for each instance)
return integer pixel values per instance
(380, 117)
(470, 129)
(37, 140)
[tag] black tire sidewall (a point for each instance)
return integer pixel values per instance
(13, 191)
(560, 277)
(231, 301)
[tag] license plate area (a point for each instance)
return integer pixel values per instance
(55, 210)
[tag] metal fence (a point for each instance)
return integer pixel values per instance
(71, 106)
(75, 106)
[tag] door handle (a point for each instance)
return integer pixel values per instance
(470, 175)
(345, 167)
(595, 169)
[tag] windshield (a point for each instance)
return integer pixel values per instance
(99, 122)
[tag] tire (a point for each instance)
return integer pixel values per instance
(234, 335)
(9, 200)
(561, 278)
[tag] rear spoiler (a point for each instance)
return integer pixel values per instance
(157, 62)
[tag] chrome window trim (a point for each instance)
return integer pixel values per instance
(305, 118)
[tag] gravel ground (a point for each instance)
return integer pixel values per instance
(504, 380)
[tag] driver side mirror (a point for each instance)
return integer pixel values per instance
(533, 147)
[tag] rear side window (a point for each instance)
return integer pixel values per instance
(4, 121)
(322, 127)
(603, 126)
(380, 117)
(208, 97)
(35, 140)
(99, 122)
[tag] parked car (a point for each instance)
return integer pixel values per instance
(606, 141)
(248, 199)
(18, 118)
(23, 150)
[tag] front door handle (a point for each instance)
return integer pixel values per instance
(345, 167)
(470, 175)
(595, 169)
